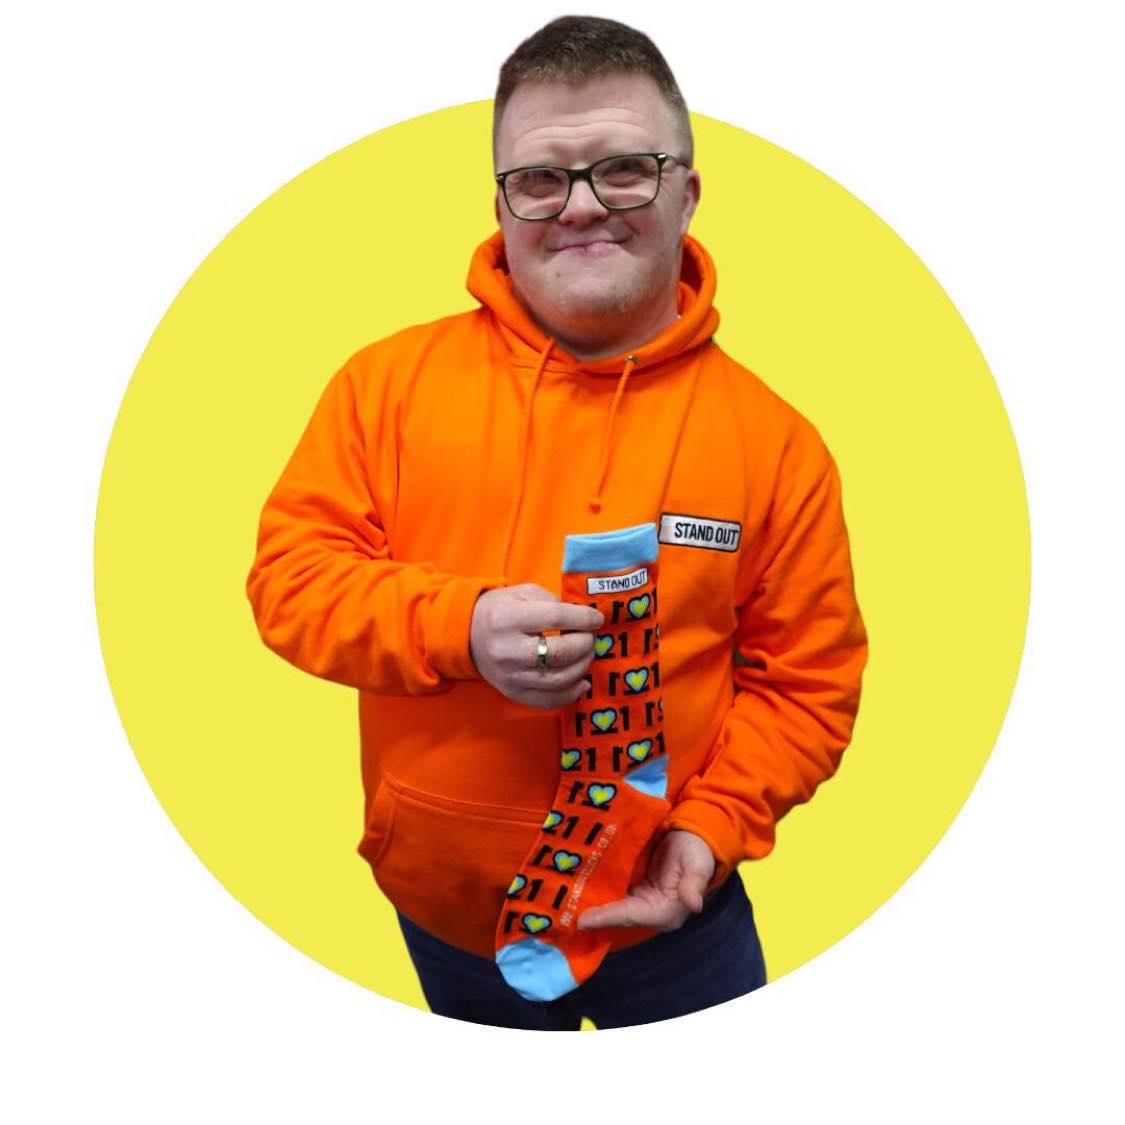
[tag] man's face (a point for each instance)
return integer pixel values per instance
(590, 268)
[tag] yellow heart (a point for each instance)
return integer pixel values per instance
(638, 751)
(637, 678)
(603, 720)
(638, 607)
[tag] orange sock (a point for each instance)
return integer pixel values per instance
(613, 774)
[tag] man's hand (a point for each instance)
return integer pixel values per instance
(679, 870)
(504, 640)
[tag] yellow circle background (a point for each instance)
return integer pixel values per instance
(257, 763)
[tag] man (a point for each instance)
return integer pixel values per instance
(412, 549)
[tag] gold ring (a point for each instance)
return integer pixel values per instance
(541, 653)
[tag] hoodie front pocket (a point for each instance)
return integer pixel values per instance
(447, 864)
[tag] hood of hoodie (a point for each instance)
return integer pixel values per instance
(490, 283)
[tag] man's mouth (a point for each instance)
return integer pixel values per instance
(591, 249)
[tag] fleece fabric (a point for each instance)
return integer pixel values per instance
(455, 457)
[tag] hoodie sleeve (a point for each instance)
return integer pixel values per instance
(799, 657)
(326, 591)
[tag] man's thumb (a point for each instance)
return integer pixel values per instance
(691, 891)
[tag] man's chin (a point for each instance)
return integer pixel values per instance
(593, 322)
(592, 301)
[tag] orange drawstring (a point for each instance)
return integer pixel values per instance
(595, 501)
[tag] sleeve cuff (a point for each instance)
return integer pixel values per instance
(446, 639)
(714, 828)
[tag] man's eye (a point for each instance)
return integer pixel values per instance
(627, 169)
(538, 181)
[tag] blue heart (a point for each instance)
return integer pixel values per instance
(535, 923)
(603, 720)
(638, 607)
(518, 884)
(553, 817)
(571, 758)
(636, 678)
(566, 861)
(638, 751)
(601, 794)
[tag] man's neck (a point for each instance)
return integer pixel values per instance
(602, 337)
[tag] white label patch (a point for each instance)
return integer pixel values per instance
(697, 531)
(612, 584)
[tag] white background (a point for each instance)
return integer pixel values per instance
(136, 989)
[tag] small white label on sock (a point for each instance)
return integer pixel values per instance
(613, 584)
(698, 531)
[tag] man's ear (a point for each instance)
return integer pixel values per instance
(496, 206)
(693, 188)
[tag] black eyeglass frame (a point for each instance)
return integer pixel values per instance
(586, 174)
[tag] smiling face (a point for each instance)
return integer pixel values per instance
(600, 281)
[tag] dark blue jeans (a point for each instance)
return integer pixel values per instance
(713, 957)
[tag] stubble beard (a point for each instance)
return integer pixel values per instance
(606, 309)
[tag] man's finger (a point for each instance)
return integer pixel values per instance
(530, 592)
(551, 681)
(549, 700)
(665, 915)
(538, 616)
(621, 913)
(564, 650)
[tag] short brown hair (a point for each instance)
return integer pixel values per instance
(574, 49)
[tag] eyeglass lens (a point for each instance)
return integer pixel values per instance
(619, 182)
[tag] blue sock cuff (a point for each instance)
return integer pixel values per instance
(650, 779)
(610, 550)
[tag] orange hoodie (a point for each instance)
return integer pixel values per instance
(454, 457)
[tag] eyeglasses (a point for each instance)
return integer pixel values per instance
(619, 183)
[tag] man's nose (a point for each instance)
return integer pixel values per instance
(583, 206)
